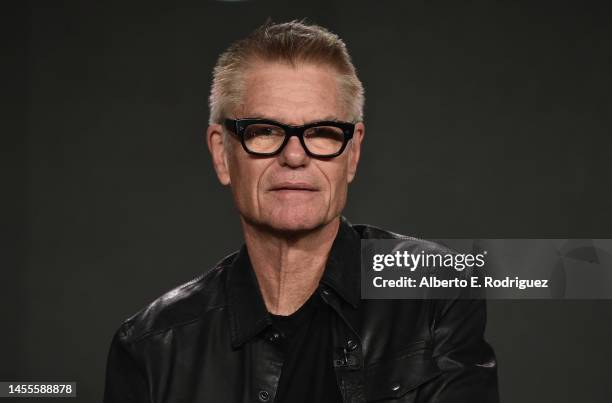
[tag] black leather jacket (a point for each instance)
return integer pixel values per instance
(210, 340)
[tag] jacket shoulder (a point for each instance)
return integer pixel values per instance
(182, 305)
(366, 231)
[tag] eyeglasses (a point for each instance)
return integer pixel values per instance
(264, 137)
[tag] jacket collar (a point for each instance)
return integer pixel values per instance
(247, 311)
(342, 272)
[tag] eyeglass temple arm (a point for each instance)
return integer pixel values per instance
(230, 125)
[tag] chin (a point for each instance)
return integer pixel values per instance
(295, 220)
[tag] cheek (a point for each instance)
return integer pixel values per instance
(338, 180)
(245, 174)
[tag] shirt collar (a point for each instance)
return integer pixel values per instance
(247, 311)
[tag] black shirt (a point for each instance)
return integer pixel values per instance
(307, 374)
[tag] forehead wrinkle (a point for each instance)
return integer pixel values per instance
(291, 95)
(280, 120)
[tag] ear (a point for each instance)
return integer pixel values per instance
(216, 146)
(354, 150)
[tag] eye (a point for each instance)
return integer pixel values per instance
(263, 130)
(325, 132)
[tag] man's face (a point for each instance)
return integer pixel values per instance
(290, 191)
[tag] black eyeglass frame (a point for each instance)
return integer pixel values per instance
(238, 126)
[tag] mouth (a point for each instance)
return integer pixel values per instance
(293, 187)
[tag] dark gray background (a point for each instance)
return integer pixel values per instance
(482, 121)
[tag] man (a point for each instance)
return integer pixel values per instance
(281, 320)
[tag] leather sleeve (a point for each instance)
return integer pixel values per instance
(467, 362)
(125, 380)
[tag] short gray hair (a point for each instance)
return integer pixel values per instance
(291, 43)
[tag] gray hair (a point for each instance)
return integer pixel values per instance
(290, 43)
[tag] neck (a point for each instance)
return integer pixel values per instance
(288, 267)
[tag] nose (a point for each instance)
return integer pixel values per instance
(293, 154)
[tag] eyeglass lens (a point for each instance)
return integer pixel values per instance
(268, 138)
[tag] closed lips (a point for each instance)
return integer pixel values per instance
(293, 186)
